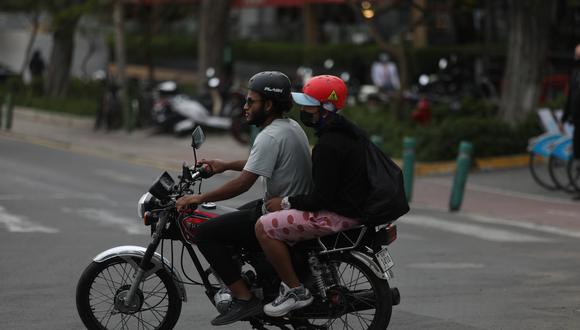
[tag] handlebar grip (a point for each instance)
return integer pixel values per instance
(205, 170)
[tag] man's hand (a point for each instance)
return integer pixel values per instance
(217, 165)
(273, 204)
(184, 201)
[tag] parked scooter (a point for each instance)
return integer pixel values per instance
(179, 113)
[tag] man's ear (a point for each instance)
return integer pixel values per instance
(268, 106)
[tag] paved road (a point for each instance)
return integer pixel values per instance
(59, 208)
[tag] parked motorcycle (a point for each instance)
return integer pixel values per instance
(179, 113)
(132, 287)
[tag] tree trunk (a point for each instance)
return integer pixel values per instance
(58, 72)
(528, 42)
(212, 37)
(121, 61)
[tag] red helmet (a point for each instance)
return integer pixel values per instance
(328, 91)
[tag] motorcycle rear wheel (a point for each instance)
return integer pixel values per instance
(103, 283)
(356, 279)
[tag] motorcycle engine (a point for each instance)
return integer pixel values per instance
(223, 299)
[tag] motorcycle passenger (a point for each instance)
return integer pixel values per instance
(281, 156)
(340, 189)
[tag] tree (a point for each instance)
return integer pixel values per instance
(528, 41)
(65, 15)
(212, 36)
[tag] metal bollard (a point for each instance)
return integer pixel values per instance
(461, 172)
(408, 165)
(7, 114)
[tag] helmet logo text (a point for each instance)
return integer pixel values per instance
(275, 90)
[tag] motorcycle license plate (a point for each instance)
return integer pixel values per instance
(384, 259)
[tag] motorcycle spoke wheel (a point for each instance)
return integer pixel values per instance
(103, 285)
(366, 299)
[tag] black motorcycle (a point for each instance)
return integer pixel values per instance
(132, 287)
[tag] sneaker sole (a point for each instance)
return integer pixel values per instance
(298, 305)
(252, 312)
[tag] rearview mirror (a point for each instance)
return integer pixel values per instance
(197, 137)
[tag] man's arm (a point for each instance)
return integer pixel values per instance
(220, 166)
(230, 189)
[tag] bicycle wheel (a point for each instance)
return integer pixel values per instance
(540, 171)
(558, 170)
(573, 170)
(103, 286)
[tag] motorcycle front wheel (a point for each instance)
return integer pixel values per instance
(362, 300)
(101, 290)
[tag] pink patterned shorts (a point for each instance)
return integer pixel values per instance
(291, 226)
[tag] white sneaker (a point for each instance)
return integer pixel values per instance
(289, 299)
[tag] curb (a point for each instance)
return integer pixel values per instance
(479, 164)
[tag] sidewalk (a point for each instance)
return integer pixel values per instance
(504, 194)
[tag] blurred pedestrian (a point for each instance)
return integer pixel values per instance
(36, 67)
(572, 110)
(385, 75)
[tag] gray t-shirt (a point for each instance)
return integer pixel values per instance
(281, 155)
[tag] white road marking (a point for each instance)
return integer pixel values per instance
(525, 225)
(446, 265)
(130, 225)
(116, 176)
(20, 224)
(481, 232)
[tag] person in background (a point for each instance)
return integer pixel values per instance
(36, 67)
(385, 75)
(572, 110)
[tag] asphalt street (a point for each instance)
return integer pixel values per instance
(60, 208)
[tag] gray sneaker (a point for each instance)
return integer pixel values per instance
(289, 299)
(238, 310)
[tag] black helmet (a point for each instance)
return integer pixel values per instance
(273, 85)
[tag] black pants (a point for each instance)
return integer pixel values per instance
(576, 141)
(220, 238)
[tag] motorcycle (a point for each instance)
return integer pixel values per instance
(179, 113)
(132, 287)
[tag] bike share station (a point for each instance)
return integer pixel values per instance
(550, 155)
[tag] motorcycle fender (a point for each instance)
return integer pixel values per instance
(369, 262)
(127, 251)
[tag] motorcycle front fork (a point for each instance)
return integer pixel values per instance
(139, 277)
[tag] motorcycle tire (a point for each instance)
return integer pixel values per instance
(354, 278)
(158, 306)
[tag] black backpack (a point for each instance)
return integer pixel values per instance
(386, 200)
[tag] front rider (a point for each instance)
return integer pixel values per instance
(281, 155)
(340, 189)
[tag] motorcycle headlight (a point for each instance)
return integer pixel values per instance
(146, 203)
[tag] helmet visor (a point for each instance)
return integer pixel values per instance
(304, 99)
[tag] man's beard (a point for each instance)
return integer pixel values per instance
(259, 117)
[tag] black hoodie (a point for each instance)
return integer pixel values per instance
(338, 170)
